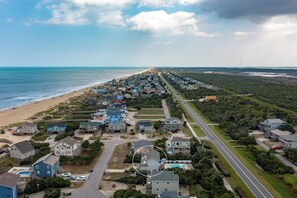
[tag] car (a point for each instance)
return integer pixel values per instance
(50, 137)
(66, 194)
(66, 174)
(82, 178)
(2, 151)
(72, 177)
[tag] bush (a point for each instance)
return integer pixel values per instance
(52, 193)
(56, 182)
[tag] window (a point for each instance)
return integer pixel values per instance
(48, 172)
(48, 166)
(168, 182)
(165, 189)
(37, 167)
(157, 189)
(38, 172)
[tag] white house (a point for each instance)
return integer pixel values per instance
(68, 147)
(275, 134)
(150, 161)
(22, 150)
(172, 124)
(27, 128)
(271, 124)
(162, 182)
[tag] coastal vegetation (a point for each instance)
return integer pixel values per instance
(36, 185)
(130, 193)
(174, 110)
(140, 102)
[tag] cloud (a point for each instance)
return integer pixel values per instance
(166, 3)
(164, 43)
(161, 22)
(66, 14)
(281, 25)
(254, 9)
(240, 35)
(102, 3)
(114, 18)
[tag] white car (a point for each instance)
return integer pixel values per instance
(82, 178)
(66, 174)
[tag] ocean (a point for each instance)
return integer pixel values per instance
(22, 85)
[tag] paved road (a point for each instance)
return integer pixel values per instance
(249, 179)
(90, 189)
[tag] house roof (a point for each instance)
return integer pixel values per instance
(164, 176)
(141, 143)
(179, 139)
(9, 179)
(47, 159)
(30, 124)
(289, 137)
(275, 120)
(145, 123)
(94, 124)
(172, 119)
(69, 140)
(153, 154)
(24, 146)
(280, 132)
(57, 124)
(120, 124)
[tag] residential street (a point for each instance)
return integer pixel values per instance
(90, 189)
(249, 179)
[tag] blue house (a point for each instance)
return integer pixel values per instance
(46, 166)
(100, 90)
(9, 185)
(114, 115)
(56, 128)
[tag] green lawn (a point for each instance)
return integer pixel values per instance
(198, 130)
(151, 117)
(7, 163)
(187, 131)
(151, 111)
(39, 137)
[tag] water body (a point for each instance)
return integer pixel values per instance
(22, 85)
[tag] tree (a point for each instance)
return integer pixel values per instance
(52, 193)
(85, 144)
(287, 127)
(157, 124)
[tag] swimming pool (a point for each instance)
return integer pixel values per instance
(24, 173)
(182, 166)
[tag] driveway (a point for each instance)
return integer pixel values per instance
(90, 188)
(165, 108)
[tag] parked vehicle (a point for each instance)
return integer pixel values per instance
(72, 177)
(66, 194)
(66, 174)
(82, 178)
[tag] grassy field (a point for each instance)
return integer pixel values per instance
(118, 156)
(39, 137)
(153, 111)
(198, 130)
(187, 131)
(7, 163)
(151, 117)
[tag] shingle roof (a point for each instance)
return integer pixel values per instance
(141, 143)
(153, 154)
(28, 124)
(164, 176)
(94, 124)
(9, 179)
(48, 159)
(57, 124)
(24, 146)
(179, 139)
(69, 140)
(145, 123)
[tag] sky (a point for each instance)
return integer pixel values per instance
(148, 33)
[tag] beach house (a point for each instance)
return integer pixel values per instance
(162, 182)
(22, 150)
(144, 126)
(68, 147)
(142, 146)
(288, 141)
(27, 128)
(46, 166)
(150, 161)
(270, 124)
(117, 127)
(172, 124)
(9, 185)
(89, 127)
(56, 128)
(178, 145)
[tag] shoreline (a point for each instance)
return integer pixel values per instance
(23, 112)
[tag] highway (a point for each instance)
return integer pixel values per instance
(247, 177)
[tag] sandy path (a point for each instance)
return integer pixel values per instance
(24, 112)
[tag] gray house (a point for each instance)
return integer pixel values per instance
(68, 147)
(150, 161)
(117, 127)
(22, 150)
(178, 145)
(27, 128)
(270, 124)
(89, 127)
(288, 141)
(144, 126)
(161, 182)
(172, 124)
(146, 145)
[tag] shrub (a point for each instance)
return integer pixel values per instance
(56, 182)
(52, 193)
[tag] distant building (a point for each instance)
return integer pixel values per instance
(270, 124)
(161, 182)
(144, 126)
(27, 128)
(9, 185)
(22, 150)
(117, 127)
(288, 141)
(56, 128)
(68, 147)
(178, 145)
(172, 124)
(150, 161)
(89, 127)
(46, 166)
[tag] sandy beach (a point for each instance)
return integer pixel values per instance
(21, 113)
